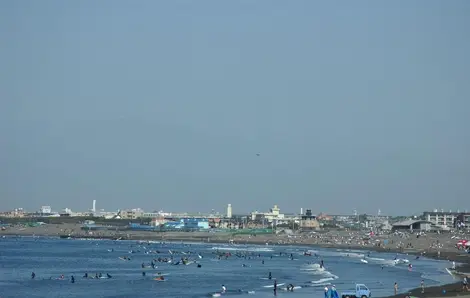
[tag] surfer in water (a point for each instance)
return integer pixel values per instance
(275, 288)
(224, 289)
(33, 275)
(270, 276)
(72, 279)
(321, 264)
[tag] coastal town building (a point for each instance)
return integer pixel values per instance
(130, 214)
(46, 210)
(412, 225)
(309, 221)
(323, 216)
(17, 212)
(273, 214)
(446, 219)
(462, 221)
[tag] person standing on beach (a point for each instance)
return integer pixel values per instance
(422, 286)
(395, 287)
(465, 284)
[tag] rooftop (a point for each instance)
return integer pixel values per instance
(410, 222)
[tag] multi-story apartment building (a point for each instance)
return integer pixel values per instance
(446, 219)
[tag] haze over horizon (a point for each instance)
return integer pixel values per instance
(166, 104)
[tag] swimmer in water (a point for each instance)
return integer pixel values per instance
(224, 289)
(270, 276)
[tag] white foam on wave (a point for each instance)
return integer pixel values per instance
(240, 248)
(382, 261)
(315, 269)
(322, 280)
(351, 255)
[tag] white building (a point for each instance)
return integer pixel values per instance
(46, 210)
(273, 214)
(442, 219)
(229, 211)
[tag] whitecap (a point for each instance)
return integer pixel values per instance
(322, 280)
(232, 248)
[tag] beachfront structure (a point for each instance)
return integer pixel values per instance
(130, 214)
(158, 221)
(46, 210)
(188, 224)
(462, 220)
(412, 225)
(309, 221)
(274, 214)
(139, 227)
(195, 223)
(446, 219)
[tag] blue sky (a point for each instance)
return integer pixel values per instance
(165, 105)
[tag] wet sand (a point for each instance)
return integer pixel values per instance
(451, 290)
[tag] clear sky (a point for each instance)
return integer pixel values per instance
(165, 105)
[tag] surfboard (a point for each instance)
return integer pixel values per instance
(272, 286)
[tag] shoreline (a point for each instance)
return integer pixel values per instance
(447, 253)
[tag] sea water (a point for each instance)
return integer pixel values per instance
(50, 258)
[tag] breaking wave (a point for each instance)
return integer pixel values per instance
(242, 248)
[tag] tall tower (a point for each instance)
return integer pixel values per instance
(94, 206)
(229, 211)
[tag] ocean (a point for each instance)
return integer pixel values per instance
(242, 276)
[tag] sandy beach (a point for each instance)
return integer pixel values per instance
(438, 246)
